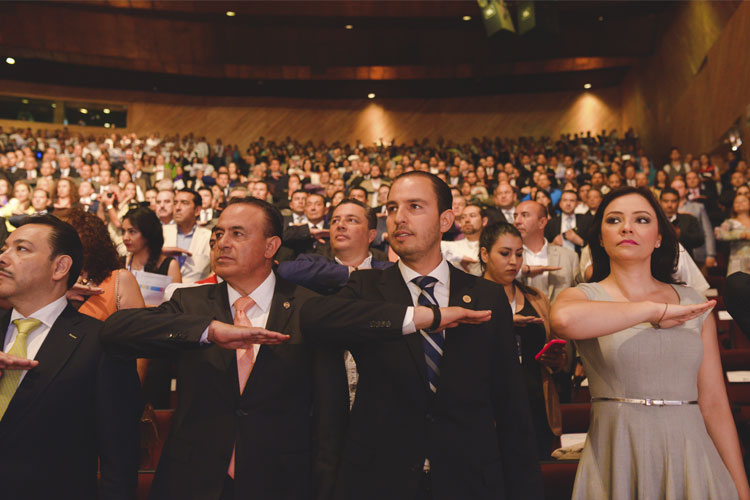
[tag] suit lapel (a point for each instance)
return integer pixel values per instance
(226, 359)
(553, 259)
(281, 311)
(61, 341)
(393, 289)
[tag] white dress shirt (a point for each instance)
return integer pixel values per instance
(365, 264)
(258, 314)
(541, 281)
(47, 315)
(442, 290)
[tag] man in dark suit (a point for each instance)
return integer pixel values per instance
(252, 421)
(424, 424)
(569, 229)
(65, 406)
(687, 227)
(736, 292)
(305, 238)
(504, 198)
(353, 228)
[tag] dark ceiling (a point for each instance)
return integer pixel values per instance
(303, 49)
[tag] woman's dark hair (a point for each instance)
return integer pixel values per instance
(147, 223)
(100, 256)
(663, 259)
(489, 237)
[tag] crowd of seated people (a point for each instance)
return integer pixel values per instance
(159, 197)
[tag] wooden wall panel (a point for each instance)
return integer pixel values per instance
(238, 120)
(696, 84)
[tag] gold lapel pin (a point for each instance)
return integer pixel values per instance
(467, 299)
(72, 336)
(286, 305)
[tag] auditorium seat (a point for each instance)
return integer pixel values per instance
(575, 417)
(558, 477)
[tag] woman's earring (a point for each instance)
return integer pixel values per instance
(658, 244)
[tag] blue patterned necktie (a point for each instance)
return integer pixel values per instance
(431, 342)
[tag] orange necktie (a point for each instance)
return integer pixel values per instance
(244, 356)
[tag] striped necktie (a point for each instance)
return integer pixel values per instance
(10, 378)
(431, 342)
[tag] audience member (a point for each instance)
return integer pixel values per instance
(382, 317)
(242, 420)
(706, 253)
(69, 412)
(501, 252)
(186, 240)
(548, 268)
(464, 253)
(568, 229)
(686, 226)
(165, 206)
(736, 230)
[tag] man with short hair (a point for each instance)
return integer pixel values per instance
(687, 227)
(66, 407)
(352, 229)
(504, 199)
(297, 202)
(305, 238)
(439, 413)
(165, 206)
(593, 200)
(464, 253)
(261, 414)
(186, 240)
(569, 229)
(260, 191)
(548, 268)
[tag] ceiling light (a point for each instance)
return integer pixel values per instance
(10, 60)
(587, 86)
(106, 125)
(231, 13)
(349, 27)
(54, 105)
(371, 96)
(24, 101)
(526, 13)
(84, 111)
(106, 111)
(466, 18)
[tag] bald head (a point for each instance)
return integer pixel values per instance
(530, 219)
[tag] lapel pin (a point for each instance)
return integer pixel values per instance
(286, 305)
(467, 299)
(72, 336)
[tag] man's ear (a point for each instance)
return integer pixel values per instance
(272, 246)
(61, 267)
(371, 234)
(447, 218)
(484, 221)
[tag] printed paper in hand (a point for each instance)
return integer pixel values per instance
(152, 286)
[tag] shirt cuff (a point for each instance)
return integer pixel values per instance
(204, 337)
(408, 326)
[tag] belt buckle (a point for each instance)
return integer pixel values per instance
(654, 402)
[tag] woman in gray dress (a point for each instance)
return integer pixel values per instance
(661, 426)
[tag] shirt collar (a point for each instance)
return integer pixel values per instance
(365, 264)
(47, 314)
(542, 252)
(262, 294)
(442, 272)
(187, 234)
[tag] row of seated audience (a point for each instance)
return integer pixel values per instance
(523, 213)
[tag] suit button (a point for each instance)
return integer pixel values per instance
(240, 412)
(430, 418)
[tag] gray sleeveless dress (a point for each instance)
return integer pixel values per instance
(648, 452)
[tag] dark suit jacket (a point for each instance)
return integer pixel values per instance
(78, 405)
(583, 225)
(321, 274)
(495, 215)
(736, 292)
(299, 238)
(476, 430)
(691, 235)
(287, 424)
